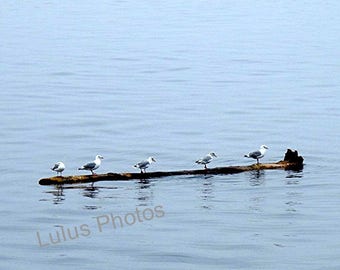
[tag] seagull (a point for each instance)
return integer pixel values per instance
(59, 167)
(207, 159)
(144, 164)
(258, 154)
(94, 165)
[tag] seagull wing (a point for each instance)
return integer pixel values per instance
(255, 154)
(54, 167)
(204, 160)
(207, 159)
(89, 166)
(142, 164)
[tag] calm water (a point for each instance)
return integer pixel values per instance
(129, 79)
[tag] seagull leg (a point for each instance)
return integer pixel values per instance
(205, 166)
(257, 161)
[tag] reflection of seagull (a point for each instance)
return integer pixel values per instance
(94, 165)
(207, 159)
(144, 164)
(258, 154)
(58, 167)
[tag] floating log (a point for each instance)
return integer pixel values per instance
(291, 161)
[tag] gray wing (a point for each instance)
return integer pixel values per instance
(55, 167)
(89, 165)
(142, 164)
(255, 154)
(204, 160)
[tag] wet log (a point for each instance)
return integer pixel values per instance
(291, 161)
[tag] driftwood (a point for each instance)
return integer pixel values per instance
(291, 161)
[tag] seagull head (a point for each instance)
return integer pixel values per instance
(151, 159)
(99, 157)
(264, 147)
(212, 154)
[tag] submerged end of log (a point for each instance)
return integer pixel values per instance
(291, 161)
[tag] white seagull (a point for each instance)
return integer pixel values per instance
(59, 167)
(94, 165)
(144, 164)
(207, 159)
(258, 154)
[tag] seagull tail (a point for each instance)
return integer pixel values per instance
(81, 168)
(246, 156)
